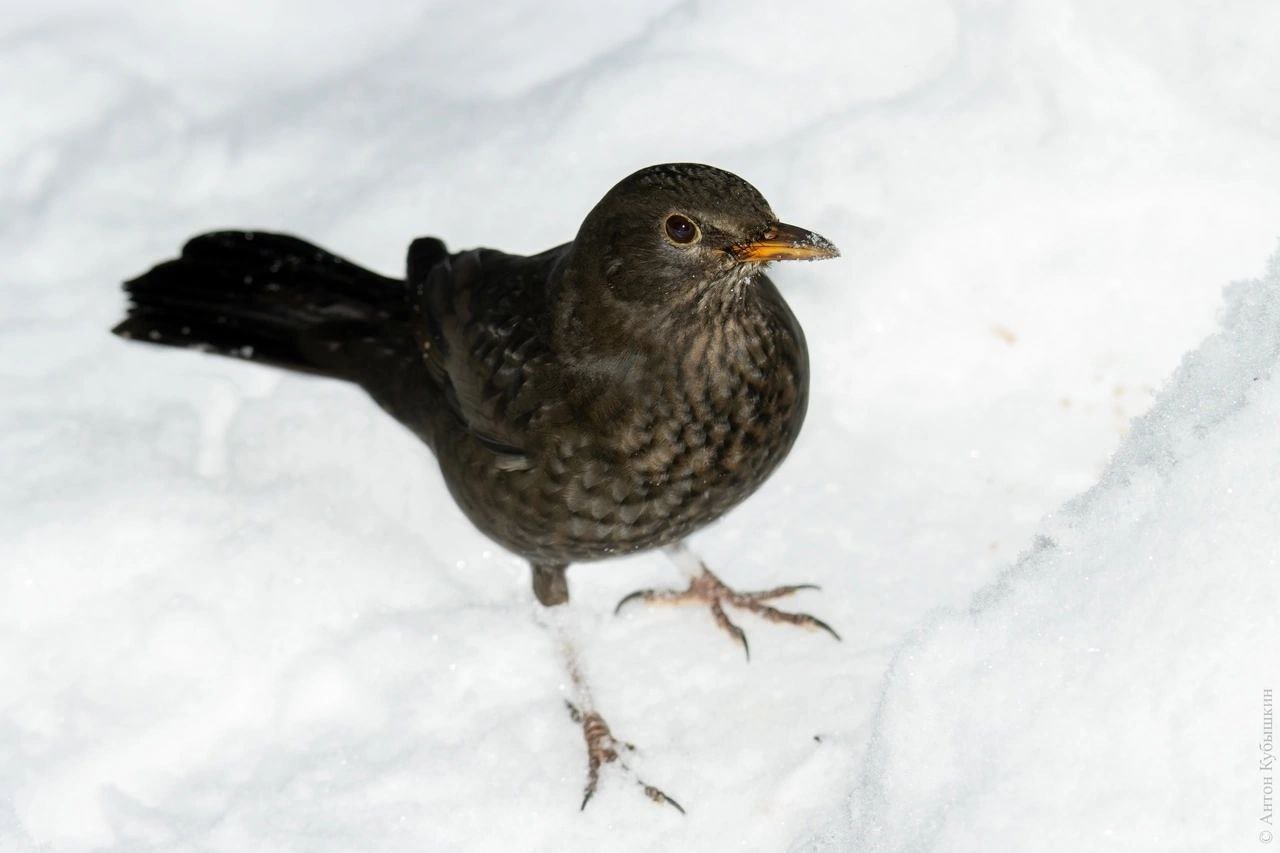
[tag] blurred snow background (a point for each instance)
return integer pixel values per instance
(239, 612)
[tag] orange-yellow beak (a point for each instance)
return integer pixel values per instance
(786, 243)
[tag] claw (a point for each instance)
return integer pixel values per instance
(823, 626)
(659, 797)
(658, 596)
(639, 593)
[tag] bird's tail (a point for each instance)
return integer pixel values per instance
(264, 297)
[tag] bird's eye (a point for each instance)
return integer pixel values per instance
(680, 229)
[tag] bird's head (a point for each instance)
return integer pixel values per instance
(673, 233)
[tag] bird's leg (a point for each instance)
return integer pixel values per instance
(706, 588)
(549, 584)
(602, 747)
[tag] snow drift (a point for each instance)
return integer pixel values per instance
(1106, 692)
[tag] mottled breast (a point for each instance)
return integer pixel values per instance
(638, 464)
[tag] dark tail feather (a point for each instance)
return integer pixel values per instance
(267, 298)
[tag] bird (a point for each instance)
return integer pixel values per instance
(610, 395)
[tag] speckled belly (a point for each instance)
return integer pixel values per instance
(674, 466)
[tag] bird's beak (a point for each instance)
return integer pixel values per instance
(786, 243)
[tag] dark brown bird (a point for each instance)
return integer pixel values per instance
(612, 394)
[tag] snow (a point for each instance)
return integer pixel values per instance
(1106, 692)
(238, 610)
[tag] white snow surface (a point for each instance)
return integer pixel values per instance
(1106, 691)
(239, 611)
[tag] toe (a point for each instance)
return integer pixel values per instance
(722, 619)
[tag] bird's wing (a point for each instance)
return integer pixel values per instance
(480, 324)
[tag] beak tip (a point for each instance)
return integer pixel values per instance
(823, 248)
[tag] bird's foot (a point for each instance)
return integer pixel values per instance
(708, 589)
(603, 748)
